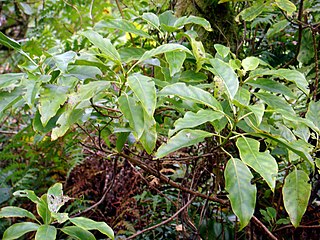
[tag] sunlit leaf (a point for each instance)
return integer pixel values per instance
(15, 212)
(152, 19)
(175, 60)
(296, 193)
(184, 138)
(242, 193)
(250, 63)
(223, 51)
(89, 224)
(287, 6)
(46, 232)
(78, 233)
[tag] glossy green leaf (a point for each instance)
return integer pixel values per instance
(227, 74)
(78, 233)
(184, 138)
(242, 97)
(103, 44)
(169, 47)
(296, 193)
(191, 119)
(223, 51)
(131, 53)
(271, 86)
(32, 89)
(89, 224)
(16, 212)
(122, 25)
(9, 42)
(149, 135)
(51, 98)
(250, 63)
(167, 21)
(46, 232)
(10, 79)
(121, 140)
(313, 113)
(287, 6)
(19, 229)
(242, 193)
(261, 162)
(258, 111)
(152, 19)
(28, 194)
(197, 48)
(175, 60)
(83, 72)
(144, 89)
(191, 93)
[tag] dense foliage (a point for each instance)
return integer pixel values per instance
(124, 103)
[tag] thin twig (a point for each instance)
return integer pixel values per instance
(163, 222)
(257, 222)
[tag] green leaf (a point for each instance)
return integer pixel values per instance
(51, 98)
(258, 111)
(83, 72)
(78, 233)
(261, 162)
(152, 19)
(277, 103)
(121, 140)
(43, 210)
(223, 51)
(191, 93)
(250, 63)
(167, 21)
(271, 86)
(149, 135)
(32, 89)
(227, 74)
(46, 232)
(8, 99)
(131, 54)
(296, 193)
(89, 224)
(192, 119)
(242, 193)
(192, 76)
(250, 13)
(175, 60)
(28, 194)
(180, 22)
(287, 6)
(169, 47)
(60, 217)
(122, 25)
(10, 79)
(277, 28)
(133, 113)
(16, 212)
(306, 52)
(313, 113)
(184, 138)
(144, 88)
(9, 42)
(62, 60)
(19, 229)
(104, 45)
(55, 197)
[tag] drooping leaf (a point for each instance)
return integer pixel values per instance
(271, 86)
(169, 47)
(152, 19)
(103, 44)
(287, 6)
(182, 21)
(19, 229)
(16, 212)
(184, 138)
(313, 113)
(51, 98)
(191, 93)
(121, 140)
(261, 162)
(89, 224)
(46, 232)
(192, 119)
(144, 88)
(175, 60)
(227, 74)
(78, 233)
(296, 193)
(122, 25)
(242, 193)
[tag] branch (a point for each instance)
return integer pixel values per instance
(257, 222)
(164, 222)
